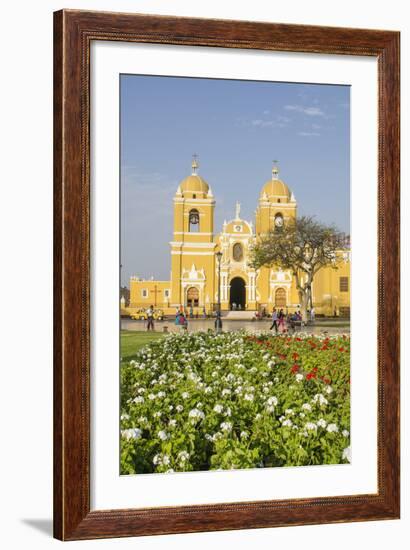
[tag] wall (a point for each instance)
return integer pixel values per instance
(26, 250)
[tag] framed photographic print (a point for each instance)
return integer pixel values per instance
(226, 275)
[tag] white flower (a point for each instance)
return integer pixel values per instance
(170, 471)
(138, 399)
(302, 415)
(142, 419)
(166, 460)
(157, 459)
(196, 414)
(226, 426)
(289, 411)
(321, 398)
(299, 377)
(179, 408)
(157, 414)
(310, 426)
(161, 394)
(172, 423)
(322, 423)
(228, 411)
(258, 416)
(125, 416)
(185, 395)
(132, 433)
(248, 397)
(329, 389)
(183, 456)
(163, 435)
(226, 391)
(151, 396)
(276, 379)
(306, 407)
(345, 433)
(287, 422)
(347, 454)
(218, 408)
(272, 401)
(244, 435)
(332, 428)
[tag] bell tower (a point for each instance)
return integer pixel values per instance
(192, 247)
(276, 204)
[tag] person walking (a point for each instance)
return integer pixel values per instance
(181, 320)
(150, 318)
(274, 320)
(281, 322)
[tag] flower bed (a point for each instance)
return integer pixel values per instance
(202, 401)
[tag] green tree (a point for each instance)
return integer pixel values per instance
(302, 246)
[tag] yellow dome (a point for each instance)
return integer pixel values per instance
(276, 188)
(194, 184)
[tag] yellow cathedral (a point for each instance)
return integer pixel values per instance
(195, 268)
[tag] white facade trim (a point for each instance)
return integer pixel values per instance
(184, 244)
(192, 233)
(191, 253)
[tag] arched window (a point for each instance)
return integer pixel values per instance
(280, 298)
(192, 297)
(194, 220)
(237, 252)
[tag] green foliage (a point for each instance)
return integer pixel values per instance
(202, 401)
(302, 244)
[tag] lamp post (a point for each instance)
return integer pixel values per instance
(218, 320)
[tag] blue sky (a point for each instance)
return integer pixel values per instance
(237, 128)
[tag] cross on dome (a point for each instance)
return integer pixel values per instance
(237, 211)
(275, 170)
(194, 164)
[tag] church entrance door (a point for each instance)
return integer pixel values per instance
(237, 295)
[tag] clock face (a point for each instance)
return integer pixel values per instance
(278, 221)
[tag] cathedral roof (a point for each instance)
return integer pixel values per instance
(194, 184)
(276, 188)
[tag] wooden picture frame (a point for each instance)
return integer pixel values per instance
(74, 32)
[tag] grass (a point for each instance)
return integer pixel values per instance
(132, 341)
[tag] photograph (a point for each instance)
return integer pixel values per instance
(235, 263)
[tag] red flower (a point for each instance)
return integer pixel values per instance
(326, 380)
(310, 375)
(295, 356)
(294, 369)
